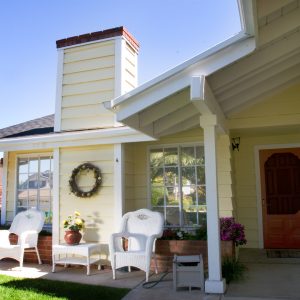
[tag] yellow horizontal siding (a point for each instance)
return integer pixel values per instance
(88, 87)
(98, 210)
(91, 122)
(89, 75)
(88, 80)
(91, 51)
(89, 99)
(90, 64)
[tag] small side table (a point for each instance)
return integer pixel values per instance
(82, 254)
(188, 271)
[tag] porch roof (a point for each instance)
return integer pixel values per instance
(262, 59)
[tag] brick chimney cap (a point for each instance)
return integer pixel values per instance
(98, 35)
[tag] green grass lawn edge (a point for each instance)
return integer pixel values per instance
(44, 289)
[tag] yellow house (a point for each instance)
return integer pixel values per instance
(221, 130)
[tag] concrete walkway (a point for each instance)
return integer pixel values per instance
(265, 279)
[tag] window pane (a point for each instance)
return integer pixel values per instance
(157, 195)
(172, 216)
(23, 181)
(201, 190)
(172, 196)
(200, 155)
(33, 165)
(156, 158)
(45, 201)
(48, 215)
(200, 175)
(33, 197)
(171, 176)
(171, 156)
(187, 156)
(188, 175)
(22, 198)
(45, 165)
(190, 217)
(23, 165)
(157, 176)
(189, 193)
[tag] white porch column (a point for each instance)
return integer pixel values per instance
(55, 205)
(214, 283)
(119, 197)
(4, 188)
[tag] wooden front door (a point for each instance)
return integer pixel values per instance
(280, 184)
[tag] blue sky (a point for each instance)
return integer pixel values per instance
(169, 32)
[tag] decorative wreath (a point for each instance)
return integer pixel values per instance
(77, 172)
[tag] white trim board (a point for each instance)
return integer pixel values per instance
(4, 188)
(257, 148)
(59, 83)
(72, 139)
(55, 201)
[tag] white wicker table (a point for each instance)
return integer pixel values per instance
(82, 254)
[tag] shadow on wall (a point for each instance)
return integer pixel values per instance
(92, 226)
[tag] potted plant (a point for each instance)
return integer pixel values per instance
(74, 223)
(192, 242)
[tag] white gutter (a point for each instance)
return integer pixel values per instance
(247, 24)
(170, 73)
(78, 138)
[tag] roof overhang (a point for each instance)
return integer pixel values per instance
(175, 100)
(73, 139)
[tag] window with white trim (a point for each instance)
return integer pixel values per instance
(177, 183)
(35, 184)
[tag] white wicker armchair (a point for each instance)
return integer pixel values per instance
(141, 228)
(26, 225)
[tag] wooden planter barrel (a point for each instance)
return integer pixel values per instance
(165, 250)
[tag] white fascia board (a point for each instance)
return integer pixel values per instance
(134, 102)
(81, 138)
(152, 96)
(180, 68)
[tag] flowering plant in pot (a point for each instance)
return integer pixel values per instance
(232, 231)
(74, 223)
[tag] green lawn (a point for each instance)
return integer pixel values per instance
(42, 289)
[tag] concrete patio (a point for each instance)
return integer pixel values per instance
(266, 278)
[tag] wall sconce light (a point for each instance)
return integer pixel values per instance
(235, 143)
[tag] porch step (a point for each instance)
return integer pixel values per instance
(259, 256)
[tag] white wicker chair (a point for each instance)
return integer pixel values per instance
(141, 228)
(26, 225)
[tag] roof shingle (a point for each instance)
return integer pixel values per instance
(37, 126)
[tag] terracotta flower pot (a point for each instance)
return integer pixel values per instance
(72, 237)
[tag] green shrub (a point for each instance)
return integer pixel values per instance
(232, 269)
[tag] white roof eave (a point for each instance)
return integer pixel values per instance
(66, 139)
(246, 11)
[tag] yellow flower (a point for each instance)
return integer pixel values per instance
(78, 221)
(77, 214)
(65, 222)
